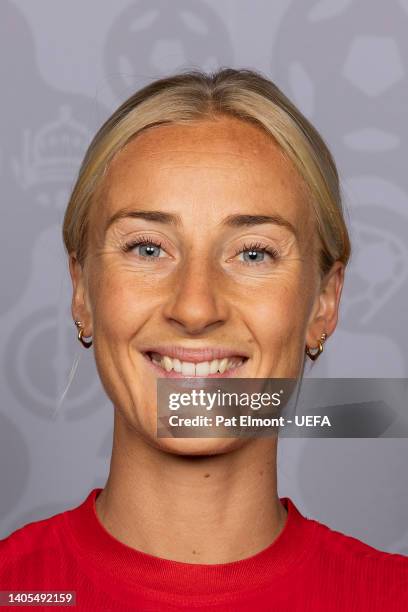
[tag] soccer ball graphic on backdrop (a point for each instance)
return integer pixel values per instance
(345, 66)
(154, 38)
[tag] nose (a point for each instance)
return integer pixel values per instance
(196, 304)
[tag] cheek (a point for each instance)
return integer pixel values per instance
(112, 308)
(278, 319)
(280, 307)
(120, 302)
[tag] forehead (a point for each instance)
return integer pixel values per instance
(225, 162)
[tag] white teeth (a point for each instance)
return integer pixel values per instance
(223, 365)
(214, 366)
(176, 365)
(204, 368)
(187, 368)
(167, 363)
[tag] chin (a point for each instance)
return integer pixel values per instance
(198, 446)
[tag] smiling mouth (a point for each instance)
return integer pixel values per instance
(176, 367)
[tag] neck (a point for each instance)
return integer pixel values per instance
(207, 509)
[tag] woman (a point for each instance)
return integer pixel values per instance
(205, 237)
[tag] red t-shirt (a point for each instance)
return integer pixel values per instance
(307, 567)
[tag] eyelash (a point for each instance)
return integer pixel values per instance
(142, 241)
(255, 246)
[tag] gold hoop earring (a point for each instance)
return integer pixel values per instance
(313, 354)
(85, 343)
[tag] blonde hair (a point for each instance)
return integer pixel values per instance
(195, 95)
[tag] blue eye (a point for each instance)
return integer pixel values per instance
(144, 247)
(149, 250)
(257, 253)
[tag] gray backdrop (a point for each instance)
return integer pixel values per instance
(64, 67)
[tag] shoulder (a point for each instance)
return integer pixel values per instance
(31, 539)
(41, 544)
(358, 569)
(337, 548)
(340, 572)
(346, 548)
(43, 554)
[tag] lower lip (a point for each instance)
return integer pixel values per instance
(233, 372)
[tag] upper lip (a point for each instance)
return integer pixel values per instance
(195, 355)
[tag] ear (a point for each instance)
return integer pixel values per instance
(80, 308)
(325, 311)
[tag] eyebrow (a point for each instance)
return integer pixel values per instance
(230, 221)
(251, 220)
(147, 215)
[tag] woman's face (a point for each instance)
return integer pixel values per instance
(202, 262)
